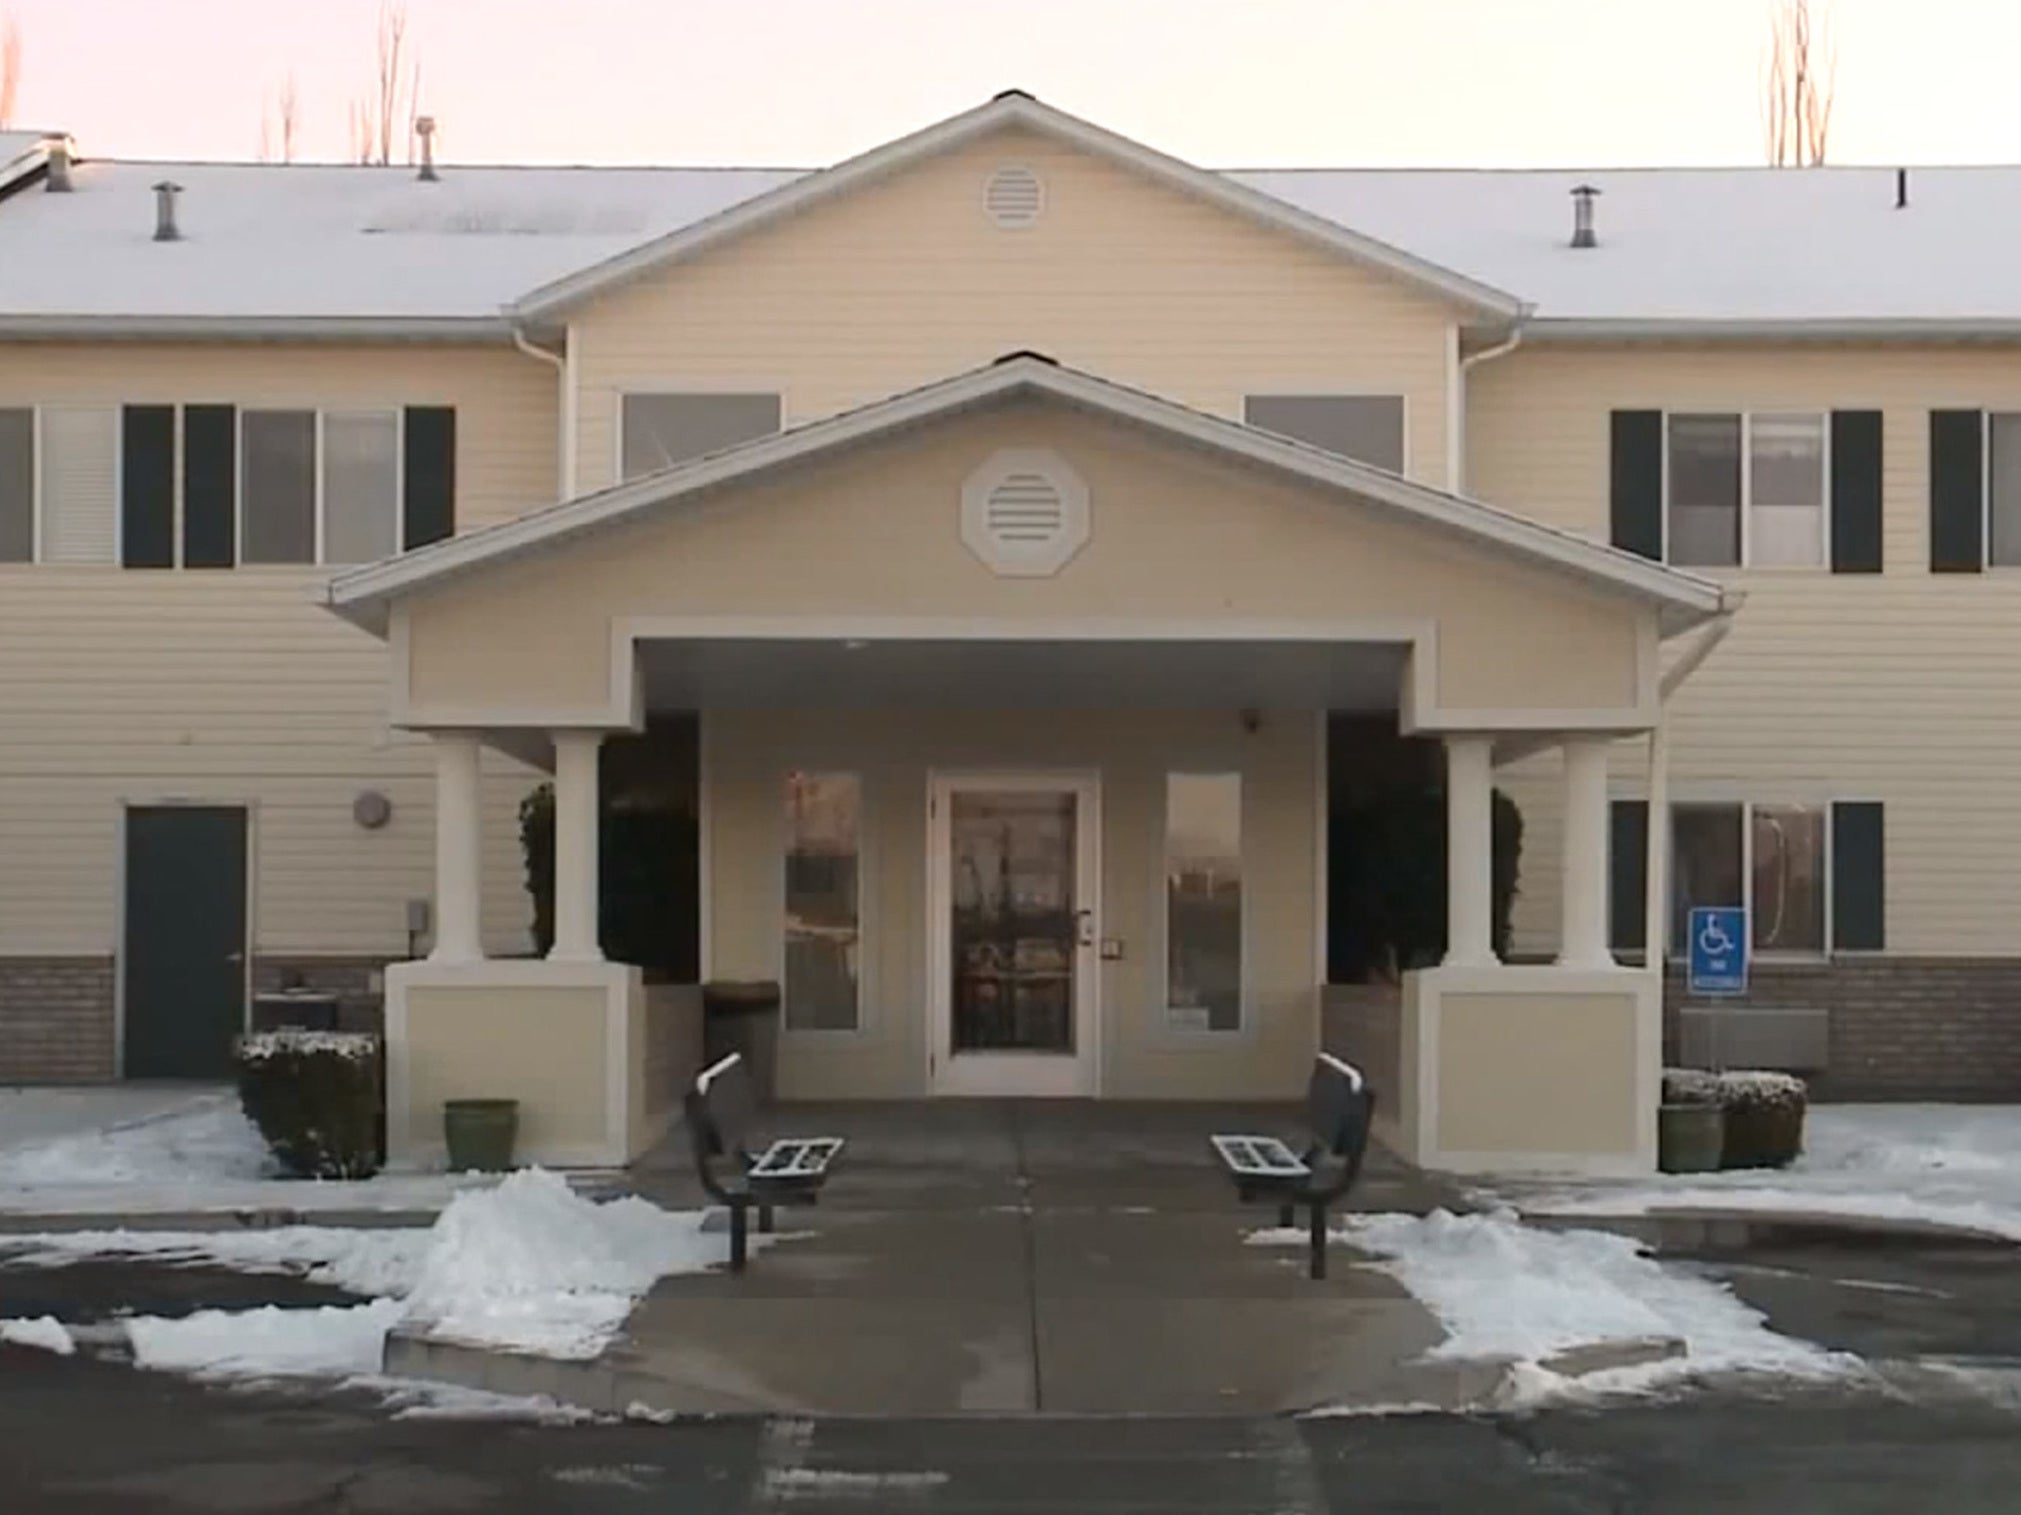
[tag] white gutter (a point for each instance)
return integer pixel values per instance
(564, 376)
(1457, 370)
(1721, 329)
(1656, 880)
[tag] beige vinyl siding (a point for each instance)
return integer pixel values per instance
(233, 685)
(1903, 687)
(908, 280)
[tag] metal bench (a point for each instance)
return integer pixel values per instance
(1339, 1107)
(720, 1110)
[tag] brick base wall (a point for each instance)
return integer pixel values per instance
(56, 1020)
(1901, 1028)
(356, 981)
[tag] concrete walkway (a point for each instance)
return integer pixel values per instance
(1017, 1258)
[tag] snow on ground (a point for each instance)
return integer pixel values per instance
(528, 1266)
(34, 1115)
(1505, 1290)
(192, 1152)
(1942, 1165)
(42, 1331)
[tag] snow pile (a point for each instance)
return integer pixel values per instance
(358, 1046)
(43, 1331)
(334, 1341)
(1505, 1290)
(199, 1155)
(533, 1266)
(1942, 1165)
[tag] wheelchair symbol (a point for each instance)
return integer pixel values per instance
(1712, 938)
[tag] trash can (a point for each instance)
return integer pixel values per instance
(743, 1016)
(295, 1010)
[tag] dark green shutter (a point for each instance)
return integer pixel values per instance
(1856, 491)
(147, 486)
(430, 467)
(1957, 491)
(1859, 877)
(1628, 877)
(1635, 481)
(209, 485)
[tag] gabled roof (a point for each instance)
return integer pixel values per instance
(364, 595)
(1014, 108)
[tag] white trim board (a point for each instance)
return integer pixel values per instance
(364, 596)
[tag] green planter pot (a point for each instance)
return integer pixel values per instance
(480, 1133)
(1690, 1138)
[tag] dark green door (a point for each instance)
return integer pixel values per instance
(185, 961)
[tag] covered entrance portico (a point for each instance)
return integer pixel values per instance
(1012, 696)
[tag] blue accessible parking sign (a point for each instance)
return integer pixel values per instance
(1718, 950)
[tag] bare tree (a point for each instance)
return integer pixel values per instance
(281, 123)
(1799, 74)
(383, 117)
(10, 69)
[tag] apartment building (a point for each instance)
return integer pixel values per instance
(998, 537)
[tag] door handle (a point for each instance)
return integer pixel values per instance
(1084, 928)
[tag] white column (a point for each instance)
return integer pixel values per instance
(1583, 908)
(1469, 851)
(459, 841)
(575, 846)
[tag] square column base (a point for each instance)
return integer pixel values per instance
(567, 1040)
(1519, 1069)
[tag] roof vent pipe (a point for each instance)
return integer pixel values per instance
(165, 229)
(1901, 189)
(1583, 196)
(57, 151)
(424, 128)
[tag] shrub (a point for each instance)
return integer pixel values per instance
(315, 1096)
(647, 862)
(1764, 1119)
(1690, 1086)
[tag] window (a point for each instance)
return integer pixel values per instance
(1772, 859)
(1367, 428)
(361, 486)
(1746, 488)
(277, 486)
(659, 430)
(2003, 491)
(17, 486)
(307, 479)
(823, 911)
(1203, 901)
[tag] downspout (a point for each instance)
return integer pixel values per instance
(1456, 398)
(564, 370)
(1656, 884)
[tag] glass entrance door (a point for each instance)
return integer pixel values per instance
(1014, 897)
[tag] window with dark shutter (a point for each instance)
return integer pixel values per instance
(209, 485)
(430, 475)
(1635, 481)
(1856, 491)
(1859, 876)
(1628, 880)
(1957, 491)
(147, 486)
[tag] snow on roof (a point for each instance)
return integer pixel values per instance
(1692, 244)
(314, 242)
(328, 241)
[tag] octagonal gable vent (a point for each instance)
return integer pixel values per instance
(1024, 512)
(1015, 197)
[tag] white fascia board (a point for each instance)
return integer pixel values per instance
(1007, 110)
(362, 594)
(257, 328)
(1834, 329)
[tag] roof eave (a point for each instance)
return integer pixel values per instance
(18, 326)
(1821, 329)
(1011, 109)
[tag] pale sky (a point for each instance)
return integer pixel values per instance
(1224, 83)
